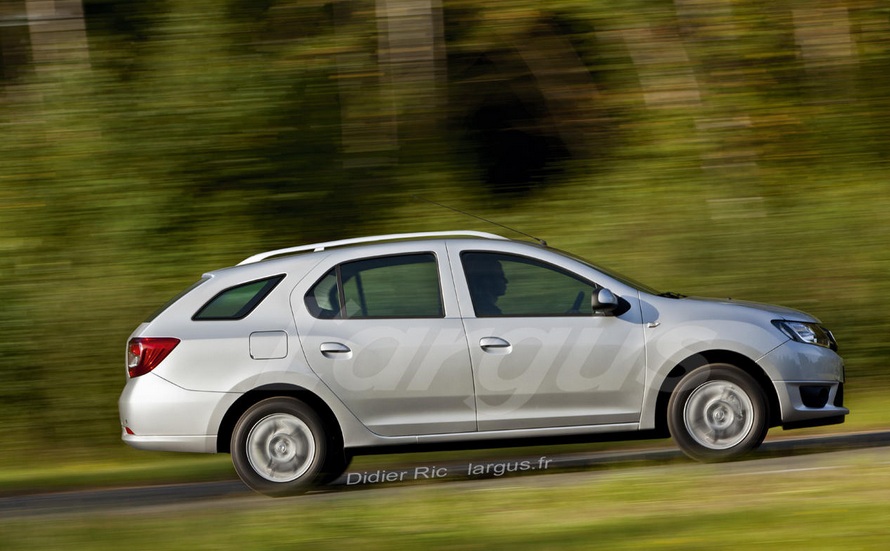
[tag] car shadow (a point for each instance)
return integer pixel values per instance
(523, 464)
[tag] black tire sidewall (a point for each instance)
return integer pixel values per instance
(242, 429)
(688, 384)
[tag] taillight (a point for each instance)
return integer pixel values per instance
(145, 353)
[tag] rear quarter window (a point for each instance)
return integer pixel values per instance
(237, 302)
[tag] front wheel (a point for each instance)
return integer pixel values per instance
(278, 447)
(717, 413)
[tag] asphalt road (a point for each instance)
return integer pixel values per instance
(778, 453)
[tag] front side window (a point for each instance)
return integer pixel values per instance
(403, 286)
(237, 302)
(508, 285)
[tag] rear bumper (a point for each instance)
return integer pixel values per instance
(155, 414)
(199, 444)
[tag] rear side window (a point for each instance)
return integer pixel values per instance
(402, 286)
(237, 302)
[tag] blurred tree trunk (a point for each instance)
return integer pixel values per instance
(14, 55)
(566, 85)
(58, 34)
(823, 36)
(391, 97)
(367, 129)
(410, 53)
(713, 31)
(663, 67)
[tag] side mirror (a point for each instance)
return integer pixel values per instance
(603, 302)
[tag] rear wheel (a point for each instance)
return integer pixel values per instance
(717, 413)
(278, 447)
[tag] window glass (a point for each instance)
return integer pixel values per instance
(237, 302)
(507, 285)
(323, 299)
(404, 286)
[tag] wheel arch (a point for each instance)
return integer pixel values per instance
(236, 410)
(700, 359)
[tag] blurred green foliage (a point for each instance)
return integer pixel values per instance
(716, 147)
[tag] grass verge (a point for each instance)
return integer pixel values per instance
(829, 502)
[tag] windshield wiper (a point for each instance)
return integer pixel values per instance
(671, 294)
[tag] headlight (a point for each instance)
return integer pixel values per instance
(810, 333)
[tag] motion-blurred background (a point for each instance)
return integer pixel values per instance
(711, 147)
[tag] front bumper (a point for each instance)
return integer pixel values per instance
(799, 410)
(809, 384)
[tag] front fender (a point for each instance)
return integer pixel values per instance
(690, 345)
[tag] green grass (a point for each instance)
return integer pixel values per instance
(123, 467)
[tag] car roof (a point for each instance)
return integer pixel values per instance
(316, 247)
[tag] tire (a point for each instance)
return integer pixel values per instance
(717, 413)
(278, 447)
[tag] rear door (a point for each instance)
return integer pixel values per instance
(383, 332)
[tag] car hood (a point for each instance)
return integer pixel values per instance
(778, 311)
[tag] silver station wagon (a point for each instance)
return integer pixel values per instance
(298, 359)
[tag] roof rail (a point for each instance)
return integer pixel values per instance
(372, 239)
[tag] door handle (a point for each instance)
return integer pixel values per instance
(495, 345)
(335, 350)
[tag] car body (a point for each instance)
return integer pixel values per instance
(298, 359)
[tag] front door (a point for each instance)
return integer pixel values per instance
(540, 356)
